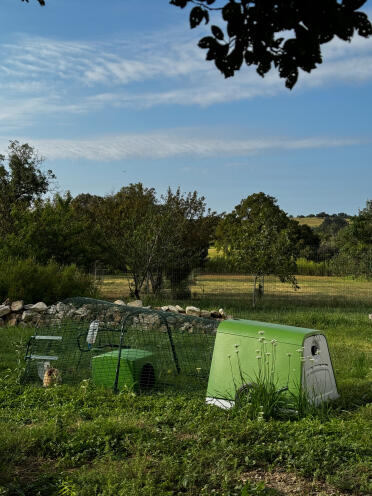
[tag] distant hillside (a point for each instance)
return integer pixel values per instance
(310, 221)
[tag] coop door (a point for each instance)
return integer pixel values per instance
(318, 378)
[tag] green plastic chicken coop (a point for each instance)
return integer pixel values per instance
(294, 358)
(120, 347)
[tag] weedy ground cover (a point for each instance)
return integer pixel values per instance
(85, 440)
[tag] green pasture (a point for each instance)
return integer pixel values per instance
(324, 290)
(83, 440)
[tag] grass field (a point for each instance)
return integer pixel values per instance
(324, 290)
(83, 440)
(310, 221)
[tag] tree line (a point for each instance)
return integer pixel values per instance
(161, 240)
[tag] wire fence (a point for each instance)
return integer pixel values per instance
(120, 346)
(325, 290)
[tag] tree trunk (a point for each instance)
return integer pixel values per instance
(254, 292)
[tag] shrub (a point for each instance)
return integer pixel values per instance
(29, 281)
(309, 268)
(221, 265)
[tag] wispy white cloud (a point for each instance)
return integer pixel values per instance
(43, 76)
(169, 144)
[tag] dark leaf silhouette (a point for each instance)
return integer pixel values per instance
(254, 32)
(42, 2)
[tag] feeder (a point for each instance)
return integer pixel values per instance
(298, 359)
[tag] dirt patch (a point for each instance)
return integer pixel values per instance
(289, 484)
(32, 469)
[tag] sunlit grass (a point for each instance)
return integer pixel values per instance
(324, 289)
(309, 221)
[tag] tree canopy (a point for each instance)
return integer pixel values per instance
(285, 34)
(21, 181)
(355, 245)
(260, 238)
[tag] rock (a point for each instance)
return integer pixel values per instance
(215, 314)
(117, 318)
(61, 307)
(17, 306)
(28, 316)
(39, 307)
(4, 310)
(370, 316)
(172, 308)
(135, 303)
(28, 306)
(180, 309)
(119, 302)
(7, 302)
(186, 327)
(82, 311)
(165, 308)
(13, 320)
(147, 321)
(52, 310)
(206, 314)
(193, 311)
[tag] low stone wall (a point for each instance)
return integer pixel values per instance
(17, 313)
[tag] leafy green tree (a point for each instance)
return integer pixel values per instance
(307, 240)
(156, 238)
(283, 34)
(328, 232)
(54, 230)
(22, 182)
(186, 239)
(355, 245)
(260, 239)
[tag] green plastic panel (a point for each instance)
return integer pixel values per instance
(250, 328)
(131, 362)
(235, 359)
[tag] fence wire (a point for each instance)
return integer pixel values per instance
(119, 346)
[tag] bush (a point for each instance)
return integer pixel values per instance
(309, 268)
(29, 281)
(221, 265)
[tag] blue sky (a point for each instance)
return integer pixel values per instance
(113, 92)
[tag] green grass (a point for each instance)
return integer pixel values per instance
(86, 441)
(327, 291)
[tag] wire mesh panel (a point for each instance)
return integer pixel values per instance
(119, 346)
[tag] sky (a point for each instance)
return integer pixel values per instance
(112, 92)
